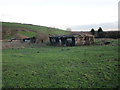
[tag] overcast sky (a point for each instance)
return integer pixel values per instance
(59, 13)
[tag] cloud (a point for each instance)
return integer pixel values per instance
(59, 13)
(105, 26)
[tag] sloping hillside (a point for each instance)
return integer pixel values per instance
(9, 30)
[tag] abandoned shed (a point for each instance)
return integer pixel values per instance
(24, 40)
(29, 40)
(71, 40)
(62, 40)
(84, 39)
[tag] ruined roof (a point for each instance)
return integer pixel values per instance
(80, 33)
(70, 36)
(59, 36)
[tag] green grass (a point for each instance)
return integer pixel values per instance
(44, 29)
(57, 67)
(29, 34)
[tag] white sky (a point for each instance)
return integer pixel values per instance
(59, 13)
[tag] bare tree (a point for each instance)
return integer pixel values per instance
(41, 38)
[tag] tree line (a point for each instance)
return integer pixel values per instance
(105, 34)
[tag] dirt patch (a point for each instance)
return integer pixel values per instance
(13, 44)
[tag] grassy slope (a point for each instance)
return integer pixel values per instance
(85, 66)
(44, 29)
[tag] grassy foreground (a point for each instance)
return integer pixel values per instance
(57, 67)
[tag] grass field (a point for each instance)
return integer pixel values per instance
(61, 67)
(30, 28)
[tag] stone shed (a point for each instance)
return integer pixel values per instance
(71, 40)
